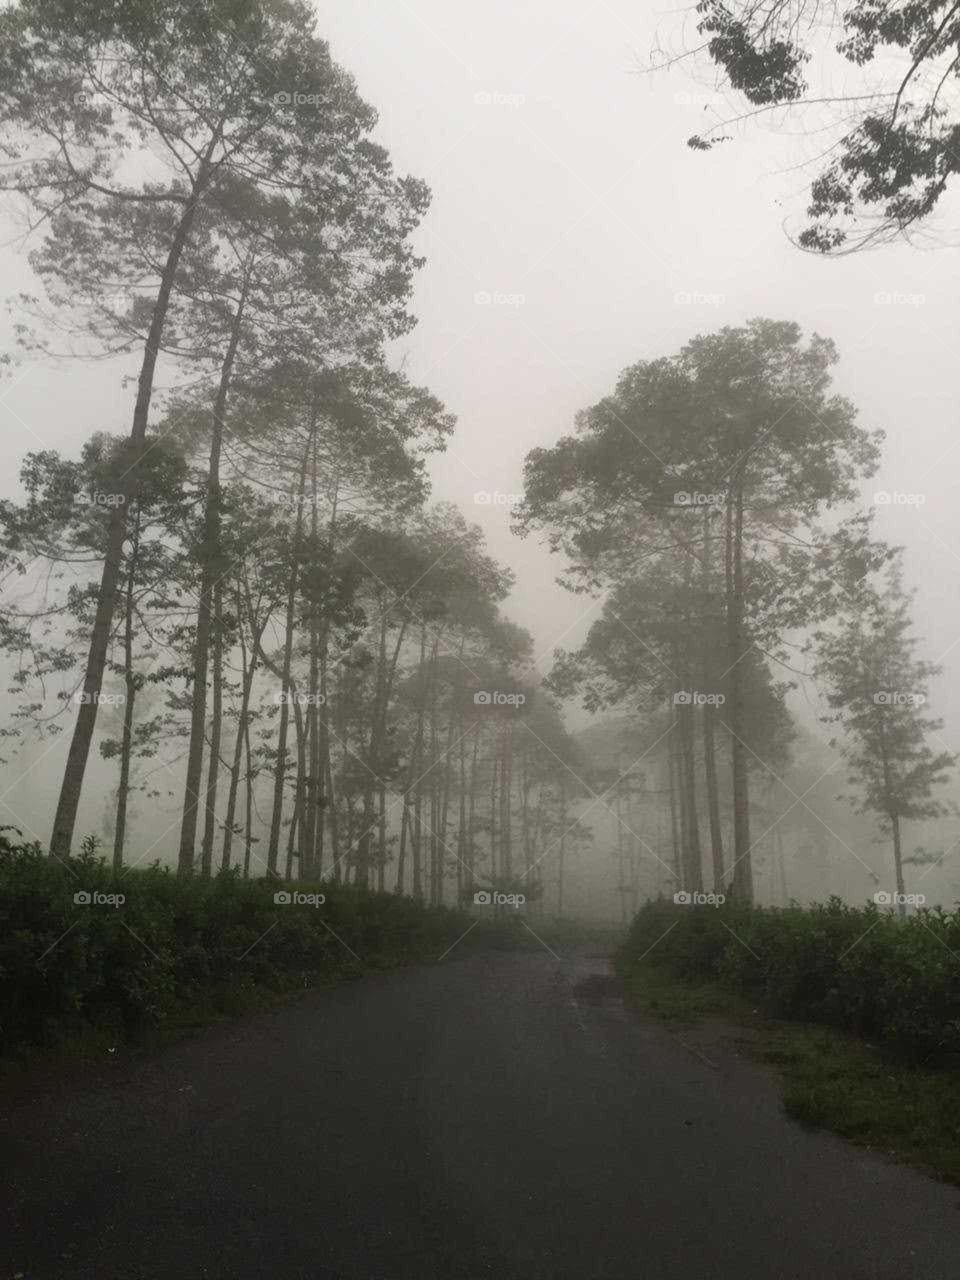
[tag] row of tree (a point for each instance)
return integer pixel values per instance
(701, 499)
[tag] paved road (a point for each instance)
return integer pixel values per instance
(498, 1116)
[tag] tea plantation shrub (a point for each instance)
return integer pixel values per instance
(855, 968)
(176, 944)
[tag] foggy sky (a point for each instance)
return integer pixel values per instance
(563, 188)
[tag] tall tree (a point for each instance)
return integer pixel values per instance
(741, 420)
(93, 93)
(877, 688)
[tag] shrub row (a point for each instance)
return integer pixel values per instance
(179, 944)
(855, 968)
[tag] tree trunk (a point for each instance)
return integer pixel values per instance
(280, 769)
(713, 797)
(248, 826)
(563, 844)
(249, 667)
(709, 718)
(742, 881)
(210, 573)
(216, 733)
(693, 851)
(69, 800)
(130, 686)
(676, 830)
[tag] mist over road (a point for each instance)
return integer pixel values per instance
(501, 1115)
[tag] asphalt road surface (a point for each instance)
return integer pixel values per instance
(495, 1116)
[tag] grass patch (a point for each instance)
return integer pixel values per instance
(830, 1080)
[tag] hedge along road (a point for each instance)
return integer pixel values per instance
(500, 1115)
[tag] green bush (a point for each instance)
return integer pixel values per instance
(176, 945)
(854, 968)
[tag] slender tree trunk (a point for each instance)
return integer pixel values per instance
(311, 818)
(295, 823)
(298, 847)
(621, 887)
(506, 798)
(280, 769)
(709, 718)
(444, 785)
(402, 852)
(248, 815)
(249, 667)
(694, 853)
(211, 570)
(461, 811)
(713, 797)
(216, 733)
(332, 800)
(676, 827)
(130, 686)
(893, 814)
(472, 818)
(432, 775)
(494, 765)
(382, 841)
(69, 800)
(742, 881)
(563, 845)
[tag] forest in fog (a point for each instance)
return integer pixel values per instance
(240, 632)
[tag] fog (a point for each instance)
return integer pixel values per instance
(571, 233)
